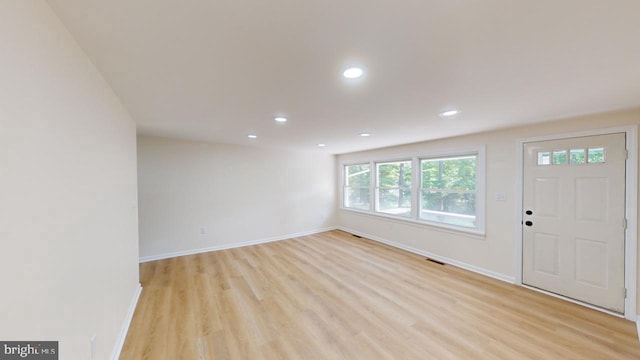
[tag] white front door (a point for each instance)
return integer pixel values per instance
(574, 218)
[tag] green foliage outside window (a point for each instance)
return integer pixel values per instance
(394, 187)
(358, 175)
(356, 191)
(448, 190)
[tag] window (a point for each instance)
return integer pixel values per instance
(575, 156)
(544, 158)
(448, 190)
(357, 180)
(596, 155)
(444, 191)
(559, 157)
(393, 188)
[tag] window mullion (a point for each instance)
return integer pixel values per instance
(373, 183)
(416, 178)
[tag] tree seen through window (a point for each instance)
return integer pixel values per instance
(448, 190)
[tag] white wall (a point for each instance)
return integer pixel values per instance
(238, 193)
(495, 253)
(68, 222)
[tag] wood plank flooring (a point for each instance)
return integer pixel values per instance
(335, 296)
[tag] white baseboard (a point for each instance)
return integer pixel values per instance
(232, 246)
(115, 355)
(443, 259)
(638, 326)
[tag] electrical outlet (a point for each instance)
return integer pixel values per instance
(203, 230)
(501, 196)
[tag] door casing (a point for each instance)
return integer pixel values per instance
(631, 211)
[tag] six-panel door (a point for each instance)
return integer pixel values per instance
(573, 218)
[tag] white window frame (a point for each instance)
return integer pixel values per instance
(344, 186)
(377, 187)
(479, 151)
(421, 189)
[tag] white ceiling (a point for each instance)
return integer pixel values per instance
(217, 70)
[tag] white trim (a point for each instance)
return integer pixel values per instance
(638, 326)
(631, 234)
(453, 152)
(232, 245)
(445, 228)
(519, 194)
(631, 210)
(343, 183)
(127, 322)
(472, 268)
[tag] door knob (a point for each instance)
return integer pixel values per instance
(528, 223)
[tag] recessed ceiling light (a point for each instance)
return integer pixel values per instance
(252, 136)
(280, 119)
(450, 112)
(322, 145)
(353, 73)
(365, 134)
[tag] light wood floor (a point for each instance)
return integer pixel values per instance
(335, 296)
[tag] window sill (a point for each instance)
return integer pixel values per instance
(471, 233)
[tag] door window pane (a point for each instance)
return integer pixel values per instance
(544, 158)
(559, 157)
(576, 156)
(596, 155)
